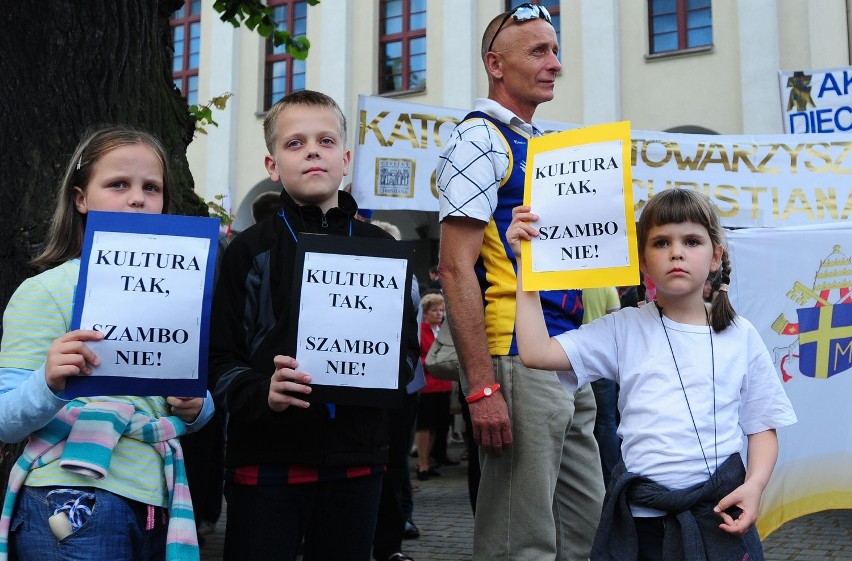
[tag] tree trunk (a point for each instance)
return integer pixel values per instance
(67, 65)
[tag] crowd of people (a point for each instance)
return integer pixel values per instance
(565, 393)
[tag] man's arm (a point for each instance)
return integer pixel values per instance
(461, 241)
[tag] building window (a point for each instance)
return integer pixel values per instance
(186, 39)
(285, 74)
(402, 45)
(552, 7)
(678, 25)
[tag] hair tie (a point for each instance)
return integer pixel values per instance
(723, 288)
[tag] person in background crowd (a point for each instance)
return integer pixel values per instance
(598, 302)
(394, 523)
(265, 205)
(434, 278)
(434, 408)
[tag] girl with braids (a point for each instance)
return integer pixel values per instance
(695, 379)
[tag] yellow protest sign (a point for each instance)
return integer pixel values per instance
(579, 184)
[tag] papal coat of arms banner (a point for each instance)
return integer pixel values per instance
(795, 285)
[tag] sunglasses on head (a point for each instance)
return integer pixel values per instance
(523, 12)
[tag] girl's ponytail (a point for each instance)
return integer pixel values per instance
(722, 313)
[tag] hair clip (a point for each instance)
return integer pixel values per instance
(723, 288)
(79, 163)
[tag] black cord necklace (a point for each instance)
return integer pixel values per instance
(683, 388)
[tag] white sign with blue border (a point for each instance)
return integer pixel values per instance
(146, 282)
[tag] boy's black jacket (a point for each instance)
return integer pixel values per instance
(250, 321)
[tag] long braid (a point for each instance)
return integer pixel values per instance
(722, 313)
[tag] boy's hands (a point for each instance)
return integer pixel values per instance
(746, 498)
(520, 228)
(69, 356)
(185, 408)
(286, 380)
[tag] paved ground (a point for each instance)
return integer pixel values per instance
(442, 512)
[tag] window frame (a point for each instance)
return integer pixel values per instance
(681, 11)
(270, 57)
(186, 73)
(405, 37)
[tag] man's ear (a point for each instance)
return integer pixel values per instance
(494, 65)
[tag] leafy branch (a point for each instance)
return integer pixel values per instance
(219, 211)
(255, 15)
(203, 114)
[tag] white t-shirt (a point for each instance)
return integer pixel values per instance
(659, 437)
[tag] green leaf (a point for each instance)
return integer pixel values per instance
(219, 102)
(258, 16)
(281, 37)
(298, 48)
(253, 22)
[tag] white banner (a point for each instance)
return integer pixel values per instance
(795, 286)
(767, 180)
(397, 149)
(816, 101)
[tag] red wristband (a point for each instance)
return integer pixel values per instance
(487, 391)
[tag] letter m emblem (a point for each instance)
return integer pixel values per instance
(825, 340)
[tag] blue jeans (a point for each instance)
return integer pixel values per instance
(115, 529)
(336, 518)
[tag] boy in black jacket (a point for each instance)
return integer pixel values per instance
(293, 470)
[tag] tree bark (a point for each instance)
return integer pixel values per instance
(67, 65)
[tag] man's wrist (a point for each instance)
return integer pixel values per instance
(487, 391)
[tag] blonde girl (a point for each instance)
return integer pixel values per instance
(64, 501)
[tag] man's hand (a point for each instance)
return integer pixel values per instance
(491, 427)
(286, 380)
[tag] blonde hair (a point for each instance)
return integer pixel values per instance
(305, 98)
(65, 237)
(389, 228)
(675, 206)
(431, 300)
